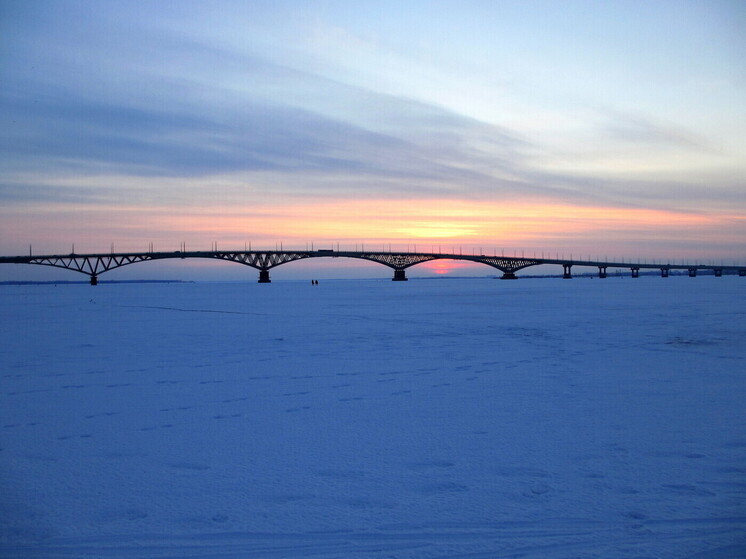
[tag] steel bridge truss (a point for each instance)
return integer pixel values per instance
(91, 265)
(95, 264)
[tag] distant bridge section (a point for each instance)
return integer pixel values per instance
(93, 265)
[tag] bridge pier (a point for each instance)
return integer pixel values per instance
(264, 261)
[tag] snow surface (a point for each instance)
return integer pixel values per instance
(360, 419)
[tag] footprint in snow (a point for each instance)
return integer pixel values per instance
(192, 466)
(434, 464)
(687, 489)
(537, 490)
(440, 488)
(103, 414)
(294, 410)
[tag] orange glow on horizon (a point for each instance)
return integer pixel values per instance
(444, 267)
(389, 221)
(424, 225)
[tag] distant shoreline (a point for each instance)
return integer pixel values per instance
(76, 282)
(617, 274)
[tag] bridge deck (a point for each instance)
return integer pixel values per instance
(263, 260)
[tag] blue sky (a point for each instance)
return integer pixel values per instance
(599, 127)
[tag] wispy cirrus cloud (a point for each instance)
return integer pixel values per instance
(639, 129)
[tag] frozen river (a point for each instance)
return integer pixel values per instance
(371, 419)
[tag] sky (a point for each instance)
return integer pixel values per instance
(607, 129)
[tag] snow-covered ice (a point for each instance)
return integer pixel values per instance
(365, 419)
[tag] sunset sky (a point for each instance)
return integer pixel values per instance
(596, 128)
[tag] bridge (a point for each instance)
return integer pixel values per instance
(93, 265)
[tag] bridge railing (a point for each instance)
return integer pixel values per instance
(95, 264)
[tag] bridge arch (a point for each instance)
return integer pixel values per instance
(93, 265)
(400, 261)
